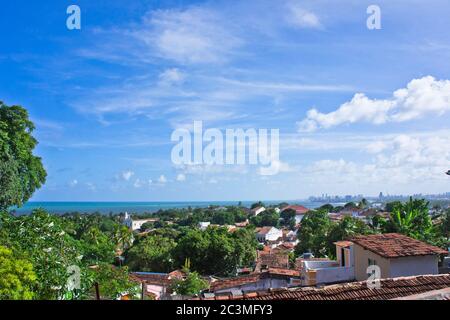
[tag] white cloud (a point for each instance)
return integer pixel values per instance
(162, 179)
(73, 183)
(126, 175)
(421, 97)
(91, 186)
(138, 183)
(404, 159)
(195, 35)
(213, 181)
(181, 177)
(171, 76)
(301, 18)
(376, 147)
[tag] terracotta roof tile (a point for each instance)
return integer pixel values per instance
(394, 245)
(234, 282)
(390, 289)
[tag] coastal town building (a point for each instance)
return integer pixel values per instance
(257, 210)
(135, 224)
(396, 255)
(424, 287)
(157, 285)
(265, 234)
(300, 212)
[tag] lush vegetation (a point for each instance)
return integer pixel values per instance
(318, 232)
(44, 256)
(21, 172)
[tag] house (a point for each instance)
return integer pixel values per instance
(136, 224)
(257, 210)
(397, 255)
(268, 234)
(290, 236)
(436, 287)
(268, 279)
(204, 225)
(157, 285)
(300, 212)
(351, 212)
(323, 271)
(242, 224)
(271, 258)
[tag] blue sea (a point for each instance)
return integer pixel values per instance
(136, 207)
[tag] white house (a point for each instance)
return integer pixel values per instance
(300, 212)
(135, 224)
(257, 210)
(268, 234)
(204, 225)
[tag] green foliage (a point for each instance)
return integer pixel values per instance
(97, 247)
(257, 204)
(192, 284)
(152, 253)
(412, 219)
(113, 282)
(216, 251)
(21, 173)
(389, 207)
(350, 205)
(266, 218)
(327, 208)
(17, 277)
(41, 239)
(313, 234)
(345, 229)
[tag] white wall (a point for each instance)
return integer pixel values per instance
(412, 266)
(333, 275)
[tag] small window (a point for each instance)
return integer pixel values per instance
(371, 262)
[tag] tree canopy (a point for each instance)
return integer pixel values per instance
(21, 172)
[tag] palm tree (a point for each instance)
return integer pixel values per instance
(123, 237)
(412, 219)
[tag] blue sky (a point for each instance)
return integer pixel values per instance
(359, 110)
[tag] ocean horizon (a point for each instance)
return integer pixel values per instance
(106, 207)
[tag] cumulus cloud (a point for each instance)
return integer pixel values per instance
(73, 183)
(403, 159)
(181, 177)
(126, 175)
(421, 97)
(162, 179)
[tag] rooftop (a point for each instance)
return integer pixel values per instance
(394, 245)
(390, 289)
(298, 209)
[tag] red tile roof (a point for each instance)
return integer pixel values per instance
(284, 272)
(274, 259)
(234, 282)
(264, 230)
(344, 243)
(298, 209)
(394, 245)
(390, 289)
